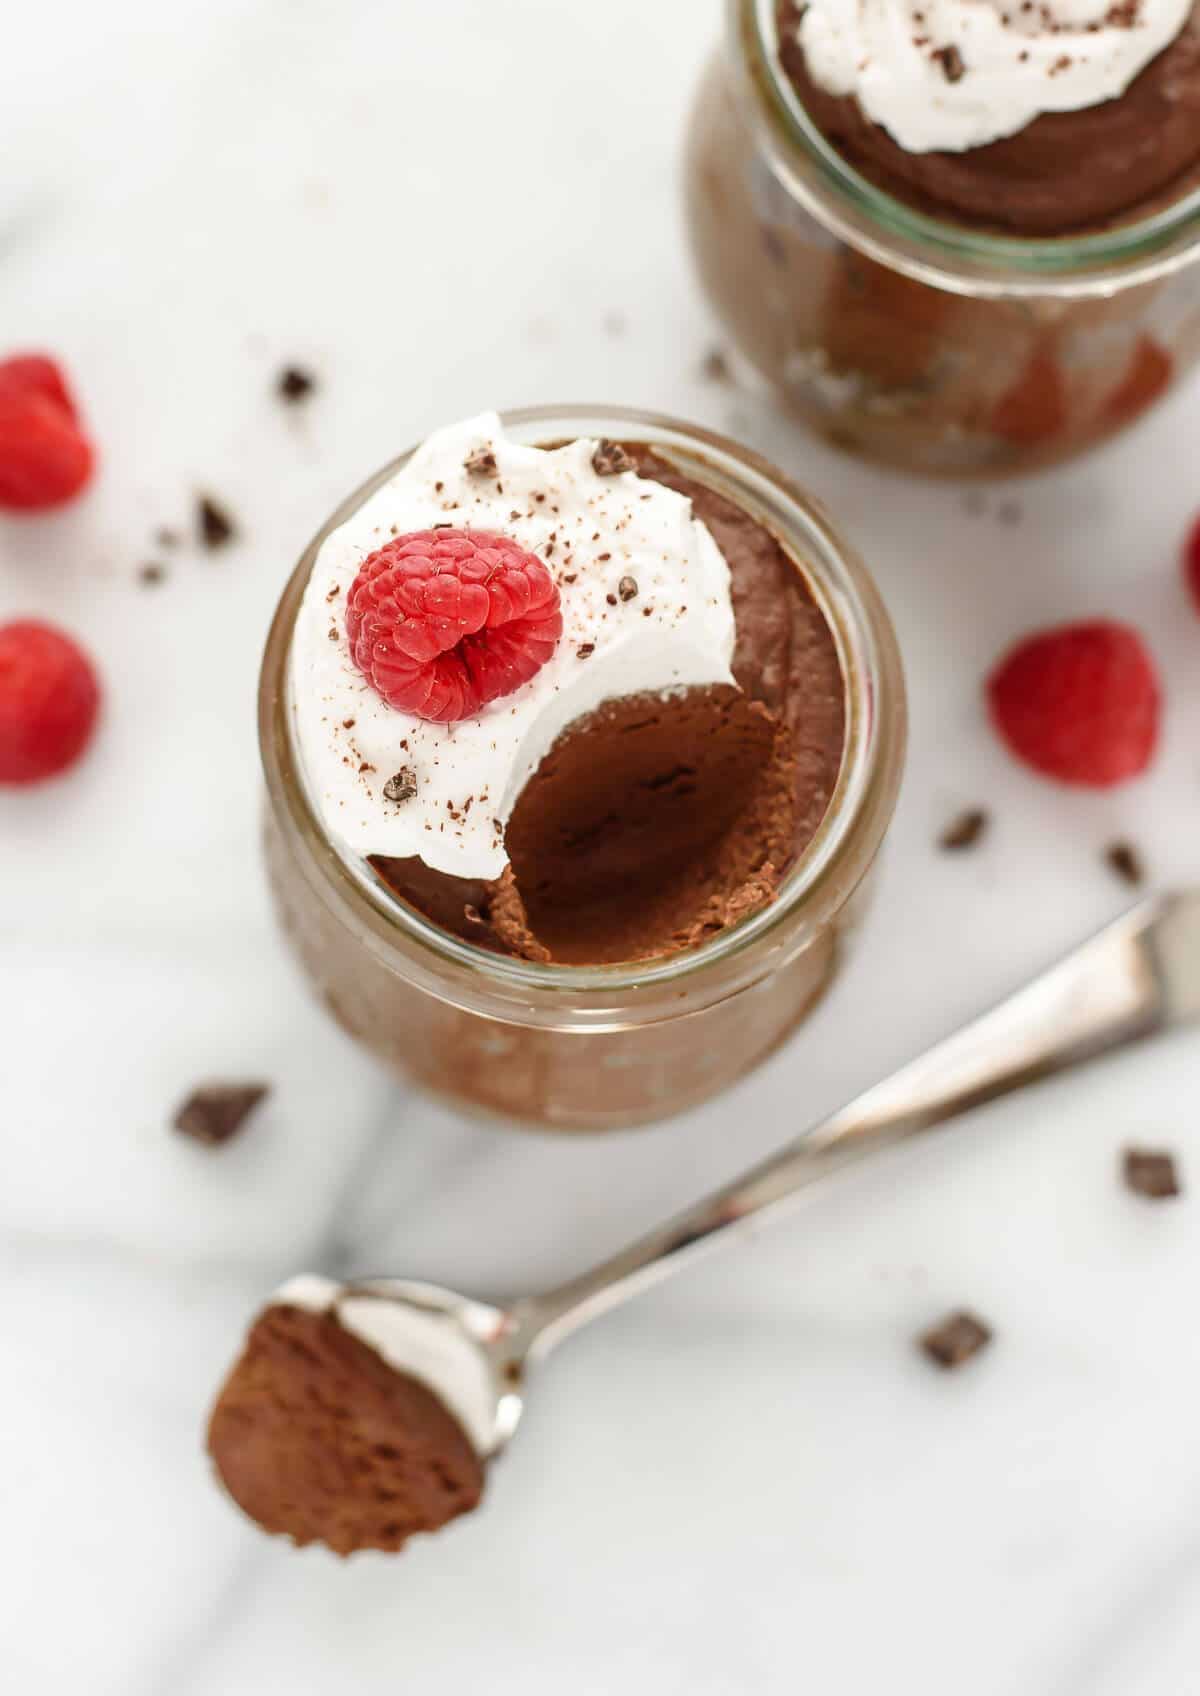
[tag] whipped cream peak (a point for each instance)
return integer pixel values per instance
(950, 75)
(646, 608)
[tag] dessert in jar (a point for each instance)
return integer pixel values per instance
(957, 235)
(581, 734)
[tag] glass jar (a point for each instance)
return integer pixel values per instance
(596, 1048)
(924, 344)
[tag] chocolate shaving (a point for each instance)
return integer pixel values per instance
(215, 1113)
(1124, 859)
(214, 523)
(716, 367)
(627, 589)
(1151, 1173)
(482, 463)
(401, 787)
(951, 61)
(955, 1340)
(610, 460)
(965, 832)
(295, 384)
(585, 650)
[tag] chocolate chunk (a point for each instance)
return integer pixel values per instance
(214, 523)
(610, 460)
(1124, 859)
(965, 832)
(1151, 1173)
(402, 786)
(152, 575)
(482, 463)
(955, 1340)
(585, 650)
(951, 61)
(627, 589)
(295, 384)
(215, 1113)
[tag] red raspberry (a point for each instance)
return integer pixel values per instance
(49, 698)
(444, 621)
(1191, 562)
(36, 374)
(45, 459)
(1080, 703)
(1034, 409)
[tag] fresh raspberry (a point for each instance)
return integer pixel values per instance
(1191, 562)
(49, 698)
(1034, 409)
(1080, 703)
(36, 374)
(1147, 378)
(45, 459)
(444, 621)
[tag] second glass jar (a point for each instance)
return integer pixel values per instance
(923, 345)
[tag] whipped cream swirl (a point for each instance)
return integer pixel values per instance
(597, 534)
(951, 75)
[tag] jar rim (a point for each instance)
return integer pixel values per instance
(876, 716)
(940, 252)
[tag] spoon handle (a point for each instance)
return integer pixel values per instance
(1114, 990)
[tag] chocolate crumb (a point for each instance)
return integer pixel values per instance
(951, 61)
(1151, 1173)
(333, 634)
(955, 1340)
(215, 1113)
(716, 367)
(610, 460)
(166, 537)
(585, 650)
(295, 384)
(152, 575)
(348, 724)
(334, 592)
(965, 832)
(482, 463)
(1124, 859)
(627, 589)
(611, 600)
(401, 787)
(213, 523)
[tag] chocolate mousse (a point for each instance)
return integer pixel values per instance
(317, 1438)
(573, 706)
(659, 820)
(1064, 171)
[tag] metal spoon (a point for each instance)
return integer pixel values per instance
(1139, 977)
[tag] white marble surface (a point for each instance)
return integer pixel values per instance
(750, 1482)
